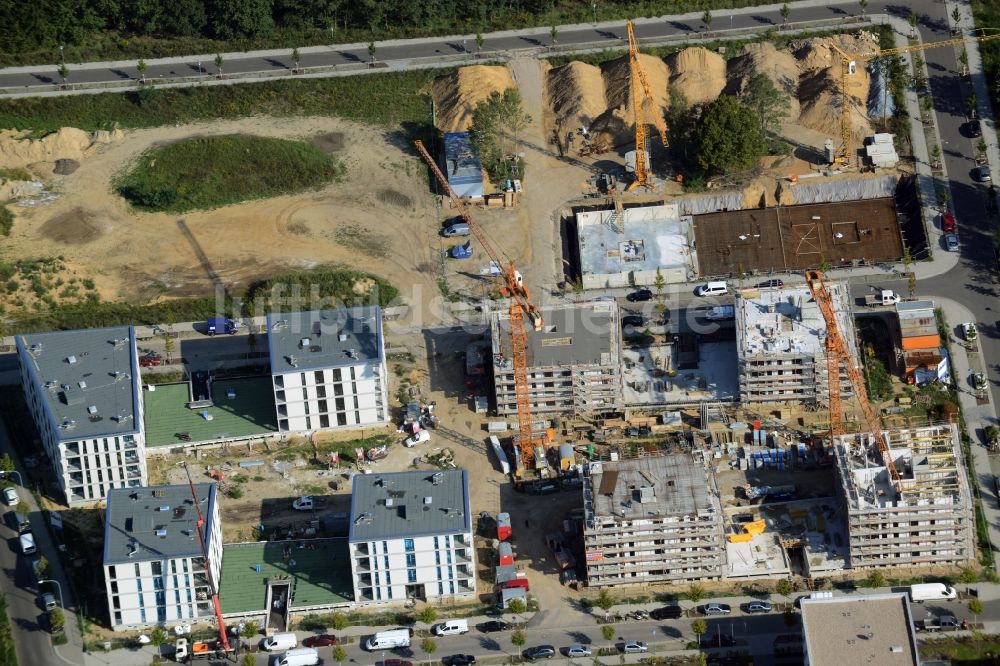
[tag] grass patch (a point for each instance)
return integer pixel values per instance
(213, 171)
(6, 220)
(324, 287)
(8, 656)
(965, 649)
(388, 99)
(15, 173)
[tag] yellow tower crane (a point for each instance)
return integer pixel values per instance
(642, 99)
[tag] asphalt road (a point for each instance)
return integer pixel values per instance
(612, 34)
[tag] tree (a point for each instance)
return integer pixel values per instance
(706, 18)
(696, 593)
(972, 102)
(608, 631)
(956, 18)
(249, 659)
(168, 345)
(518, 638)
(239, 19)
(659, 282)
(219, 62)
(975, 606)
(6, 464)
(250, 628)
(554, 34)
(604, 601)
(495, 121)
(864, 5)
(728, 137)
(57, 620)
(768, 103)
(427, 615)
(791, 618)
(63, 73)
(963, 60)
(141, 68)
(784, 587)
(784, 11)
(371, 51)
(295, 60)
(479, 42)
(913, 19)
(875, 579)
(699, 627)
(516, 606)
(339, 621)
(157, 638)
(44, 567)
(429, 645)
(339, 654)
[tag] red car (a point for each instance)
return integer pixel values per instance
(323, 640)
(150, 359)
(948, 222)
(396, 662)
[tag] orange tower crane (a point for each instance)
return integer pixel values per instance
(836, 351)
(213, 585)
(642, 96)
(520, 306)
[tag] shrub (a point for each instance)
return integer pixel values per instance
(6, 220)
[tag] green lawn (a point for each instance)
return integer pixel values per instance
(322, 575)
(250, 412)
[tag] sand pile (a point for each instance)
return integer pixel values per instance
(68, 142)
(617, 80)
(576, 95)
(764, 58)
(457, 94)
(698, 73)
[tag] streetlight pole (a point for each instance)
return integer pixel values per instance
(20, 481)
(62, 57)
(58, 589)
(593, 8)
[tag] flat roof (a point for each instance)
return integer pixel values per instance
(320, 573)
(316, 339)
(654, 237)
(795, 238)
(574, 334)
(462, 165)
(677, 483)
(250, 411)
(160, 522)
(787, 320)
(87, 380)
(871, 629)
(409, 504)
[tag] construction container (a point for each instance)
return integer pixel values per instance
(567, 458)
(506, 553)
(503, 526)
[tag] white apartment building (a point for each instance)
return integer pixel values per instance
(411, 537)
(82, 391)
(154, 566)
(328, 368)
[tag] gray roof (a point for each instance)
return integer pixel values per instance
(87, 380)
(409, 504)
(675, 485)
(577, 334)
(872, 629)
(300, 341)
(134, 515)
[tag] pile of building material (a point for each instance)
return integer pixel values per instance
(881, 152)
(698, 74)
(457, 94)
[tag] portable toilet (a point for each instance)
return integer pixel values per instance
(503, 526)
(566, 457)
(506, 553)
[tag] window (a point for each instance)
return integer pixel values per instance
(118, 618)
(385, 558)
(319, 376)
(440, 589)
(157, 568)
(408, 545)
(437, 559)
(411, 560)
(111, 572)
(114, 587)
(117, 603)
(385, 547)
(411, 575)
(451, 587)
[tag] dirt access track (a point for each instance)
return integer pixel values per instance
(381, 219)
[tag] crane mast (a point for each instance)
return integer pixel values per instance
(223, 639)
(641, 94)
(836, 350)
(520, 308)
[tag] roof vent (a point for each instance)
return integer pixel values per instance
(119, 342)
(92, 409)
(304, 343)
(896, 649)
(68, 424)
(292, 361)
(350, 353)
(165, 507)
(280, 324)
(363, 518)
(161, 532)
(428, 500)
(35, 348)
(388, 501)
(132, 548)
(82, 384)
(437, 478)
(52, 383)
(342, 337)
(71, 359)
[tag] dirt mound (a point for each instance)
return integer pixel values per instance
(68, 142)
(576, 95)
(615, 126)
(65, 166)
(457, 94)
(393, 198)
(698, 73)
(764, 58)
(74, 227)
(331, 142)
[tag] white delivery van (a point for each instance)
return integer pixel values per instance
(299, 657)
(276, 642)
(932, 592)
(27, 542)
(388, 640)
(451, 627)
(712, 289)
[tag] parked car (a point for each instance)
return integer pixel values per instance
(951, 242)
(633, 320)
(322, 640)
(539, 652)
(948, 223)
(27, 543)
(457, 229)
(770, 284)
(10, 496)
(544, 487)
(969, 331)
(578, 650)
(151, 359)
(459, 660)
(667, 613)
(47, 601)
(712, 289)
(640, 295)
(715, 609)
(979, 381)
(981, 174)
(395, 662)
(759, 607)
(633, 647)
(418, 438)
(492, 626)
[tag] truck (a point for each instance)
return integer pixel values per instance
(940, 623)
(884, 297)
(932, 592)
(220, 325)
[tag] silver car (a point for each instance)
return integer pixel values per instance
(634, 647)
(951, 242)
(578, 650)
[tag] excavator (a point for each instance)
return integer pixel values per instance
(521, 308)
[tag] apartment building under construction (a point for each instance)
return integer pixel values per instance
(925, 518)
(650, 520)
(781, 344)
(574, 362)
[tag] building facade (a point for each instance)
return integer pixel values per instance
(411, 537)
(82, 392)
(574, 362)
(154, 566)
(328, 369)
(652, 520)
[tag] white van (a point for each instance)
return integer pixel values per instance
(299, 657)
(712, 289)
(389, 640)
(932, 592)
(27, 542)
(279, 642)
(419, 437)
(451, 628)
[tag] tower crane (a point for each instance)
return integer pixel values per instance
(836, 351)
(848, 67)
(212, 584)
(520, 307)
(641, 95)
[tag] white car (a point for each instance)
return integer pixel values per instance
(27, 542)
(634, 647)
(979, 381)
(10, 496)
(969, 331)
(304, 503)
(419, 438)
(578, 650)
